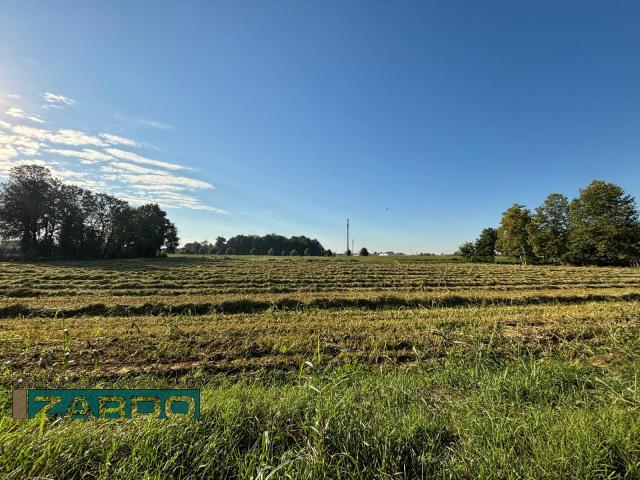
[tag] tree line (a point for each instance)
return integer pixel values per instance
(271, 244)
(54, 220)
(599, 227)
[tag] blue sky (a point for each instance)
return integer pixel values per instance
(421, 121)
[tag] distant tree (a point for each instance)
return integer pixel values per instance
(283, 253)
(603, 226)
(271, 252)
(307, 252)
(549, 228)
(191, 248)
(253, 251)
(328, 253)
(243, 244)
(513, 234)
(485, 246)
(70, 223)
(171, 239)
(53, 219)
(364, 252)
(468, 251)
(348, 253)
(28, 208)
(220, 245)
(117, 229)
(230, 251)
(294, 253)
(150, 227)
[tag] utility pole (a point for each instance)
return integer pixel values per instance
(352, 247)
(347, 236)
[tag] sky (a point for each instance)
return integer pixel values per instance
(420, 121)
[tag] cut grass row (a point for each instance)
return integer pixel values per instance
(63, 306)
(175, 276)
(197, 347)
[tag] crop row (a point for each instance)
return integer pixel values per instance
(207, 277)
(116, 346)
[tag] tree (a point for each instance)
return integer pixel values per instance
(52, 219)
(307, 252)
(468, 251)
(220, 245)
(150, 226)
(253, 251)
(513, 234)
(244, 244)
(171, 240)
(283, 253)
(603, 226)
(549, 228)
(294, 253)
(364, 252)
(27, 208)
(230, 251)
(485, 246)
(117, 218)
(71, 217)
(271, 252)
(328, 253)
(348, 252)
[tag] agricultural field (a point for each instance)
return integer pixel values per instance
(328, 367)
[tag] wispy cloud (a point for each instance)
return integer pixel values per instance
(133, 157)
(63, 136)
(16, 112)
(118, 140)
(56, 99)
(22, 146)
(86, 156)
(101, 162)
(136, 122)
(13, 95)
(148, 176)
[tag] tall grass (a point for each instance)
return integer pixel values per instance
(464, 419)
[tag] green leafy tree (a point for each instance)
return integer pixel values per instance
(307, 252)
(220, 245)
(253, 251)
(294, 253)
(71, 221)
(271, 252)
(513, 234)
(364, 252)
(230, 251)
(171, 239)
(28, 208)
(485, 246)
(549, 228)
(468, 251)
(603, 226)
(328, 253)
(150, 230)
